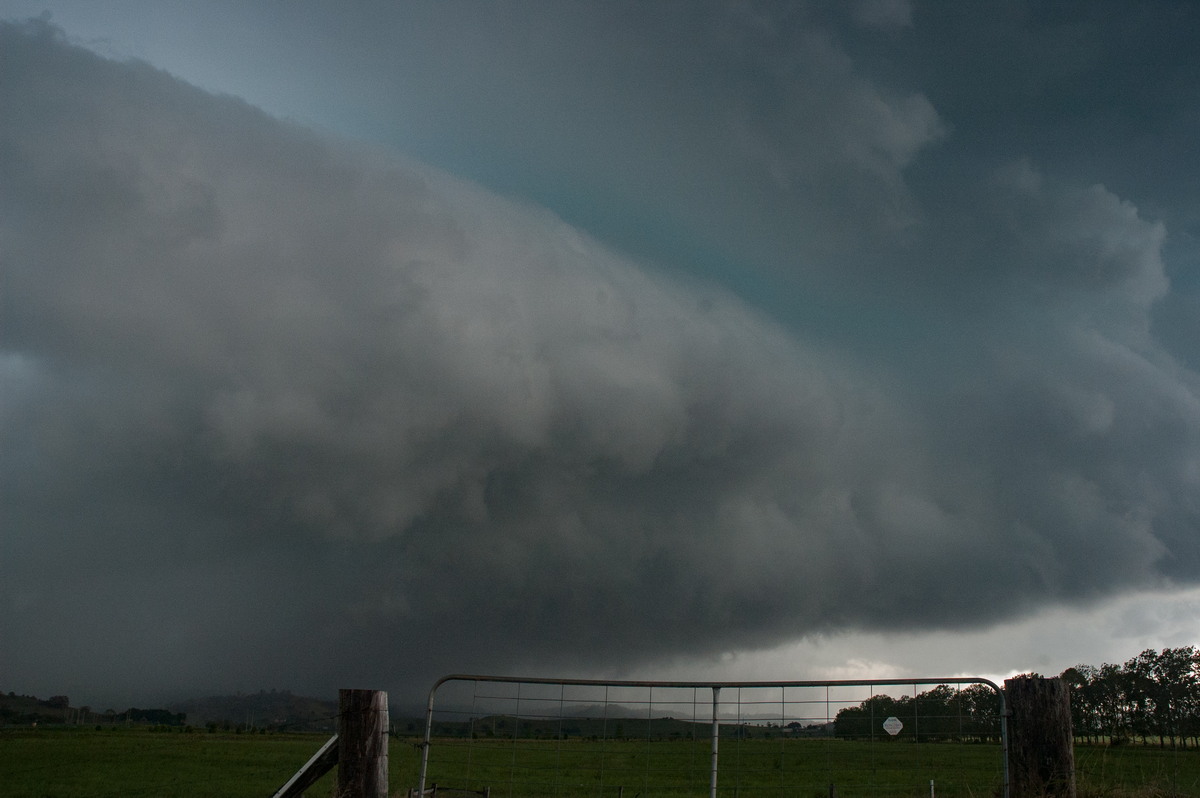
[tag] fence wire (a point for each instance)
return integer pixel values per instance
(559, 738)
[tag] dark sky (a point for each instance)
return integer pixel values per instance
(355, 346)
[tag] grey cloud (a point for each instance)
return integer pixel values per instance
(230, 337)
(1087, 425)
(1083, 240)
(883, 13)
(751, 122)
(821, 127)
(266, 391)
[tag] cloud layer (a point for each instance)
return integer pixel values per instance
(277, 407)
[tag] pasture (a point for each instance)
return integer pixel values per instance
(111, 762)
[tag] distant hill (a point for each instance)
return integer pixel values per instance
(273, 709)
(25, 710)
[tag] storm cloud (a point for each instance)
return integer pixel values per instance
(280, 409)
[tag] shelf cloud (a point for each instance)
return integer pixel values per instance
(279, 405)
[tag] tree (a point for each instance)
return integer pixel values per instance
(981, 708)
(1174, 686)
(1084, 712)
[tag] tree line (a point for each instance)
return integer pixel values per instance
(1153, 698)
(26, 709)
(943, 713)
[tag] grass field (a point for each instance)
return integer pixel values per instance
(71, 763)
(88, 763)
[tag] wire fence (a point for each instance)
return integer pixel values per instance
(505, 737)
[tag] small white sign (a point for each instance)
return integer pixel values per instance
(893, 725)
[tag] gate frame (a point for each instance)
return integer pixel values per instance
(716, 688)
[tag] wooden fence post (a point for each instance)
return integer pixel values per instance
(1041, 752)
(362, 744)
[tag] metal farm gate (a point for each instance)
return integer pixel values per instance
(505, 737)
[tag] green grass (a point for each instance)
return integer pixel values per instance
(79, 763)
(1136, 770)
(609, 769)
(89, 763)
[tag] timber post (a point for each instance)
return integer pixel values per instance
(1041, 749)
(362, 744)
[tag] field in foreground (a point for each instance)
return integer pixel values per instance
(79, 763)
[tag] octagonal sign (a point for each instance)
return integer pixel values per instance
(893, 725)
